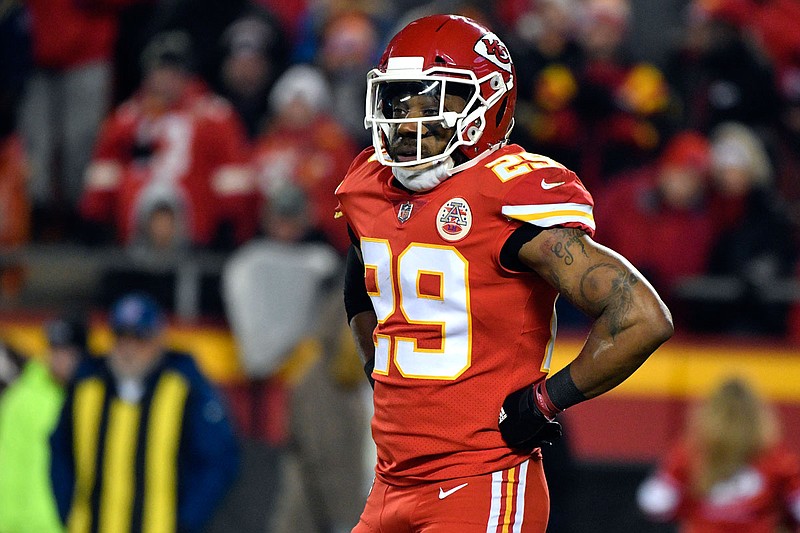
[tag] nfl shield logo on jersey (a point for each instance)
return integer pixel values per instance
(404, 213)
(454, 220)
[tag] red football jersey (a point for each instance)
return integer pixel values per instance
(757, 499)
(456, 331)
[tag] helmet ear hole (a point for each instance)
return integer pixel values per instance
(501, 112)
(496, 82)
(473, 133)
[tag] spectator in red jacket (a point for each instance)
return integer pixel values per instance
(305, 146)
(173, 139)
(730, 472)
(658, 216)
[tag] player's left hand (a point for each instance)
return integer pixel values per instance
(522, 424)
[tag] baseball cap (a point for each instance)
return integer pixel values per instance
(136, 315)
(67, 332)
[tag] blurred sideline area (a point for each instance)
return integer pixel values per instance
(184, 132)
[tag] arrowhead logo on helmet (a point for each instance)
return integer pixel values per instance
(493, 49)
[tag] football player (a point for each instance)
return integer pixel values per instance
(462, 243)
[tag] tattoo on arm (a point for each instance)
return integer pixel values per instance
(608, 287)
(605, 287)
(569, 241)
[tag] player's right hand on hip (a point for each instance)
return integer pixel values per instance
(521, 423)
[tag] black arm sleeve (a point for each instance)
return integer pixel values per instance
(509, 254)
(356, 299)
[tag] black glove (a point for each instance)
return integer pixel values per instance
(522, 424)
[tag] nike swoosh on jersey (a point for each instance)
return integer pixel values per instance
(546, 185)
(445, 493)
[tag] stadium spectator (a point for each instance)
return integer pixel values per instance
(256, 53)
(755, 241)
(173, 139)
(665, 203)
(461, 245)
(143, 438)
(29, 411)
(289, 14)
(768, 23)
(623, 105)
(204, 21)
(730, 472)
(15, 64)
(161, 229)
(306, 146)
(14, 209)
(283, 297)
(65, 101)
(348, 43)
(316, 16)
(720, 76)
(152, 262)
(547, 118)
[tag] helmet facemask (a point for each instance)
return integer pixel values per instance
(446, 103)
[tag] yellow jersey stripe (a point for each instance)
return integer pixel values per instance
(553, 214)
(584, 209)
(546, 215)
(87, 411)
(510, 486)
(119, 463)
(163, 439)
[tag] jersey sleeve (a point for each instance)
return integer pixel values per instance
(344, 187)
(550, 196)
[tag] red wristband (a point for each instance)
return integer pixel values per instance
(543, 402)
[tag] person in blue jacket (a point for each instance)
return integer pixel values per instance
(144, 442)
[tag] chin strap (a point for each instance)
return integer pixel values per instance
(425, 178)
(475, 160)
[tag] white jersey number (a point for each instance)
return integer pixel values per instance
(430, 288)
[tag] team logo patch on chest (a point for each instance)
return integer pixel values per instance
(454, 220)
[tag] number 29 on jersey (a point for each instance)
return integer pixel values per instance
(428, 287)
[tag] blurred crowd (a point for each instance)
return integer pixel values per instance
(169, 127)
